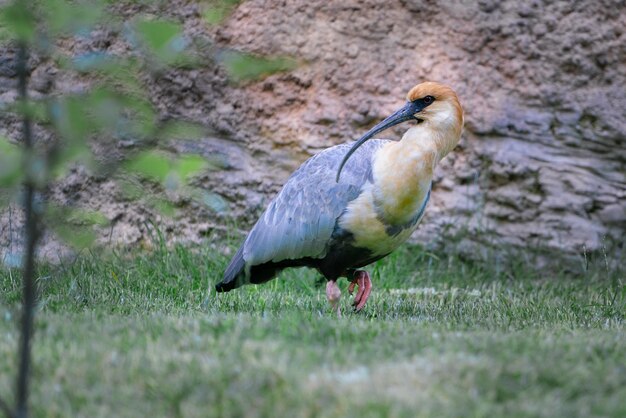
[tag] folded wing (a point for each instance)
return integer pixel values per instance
(300, 221)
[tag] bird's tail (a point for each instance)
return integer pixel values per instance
(234, 275)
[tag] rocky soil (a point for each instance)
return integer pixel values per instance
(542, 162)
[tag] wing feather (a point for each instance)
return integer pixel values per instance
(300, 220)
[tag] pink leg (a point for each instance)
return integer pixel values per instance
(362, 280)
(333, 294)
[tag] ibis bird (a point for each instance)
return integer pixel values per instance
(355, 203)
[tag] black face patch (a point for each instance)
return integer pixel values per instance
(424, 102)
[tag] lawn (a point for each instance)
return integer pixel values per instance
(133, 335)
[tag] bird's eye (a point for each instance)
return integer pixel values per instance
(428, 99)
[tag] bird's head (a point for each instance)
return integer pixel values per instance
(433, 105)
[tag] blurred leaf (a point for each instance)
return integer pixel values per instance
(35, 109)
(74, 225)
(105, 112)
(92, 61)
(131, 189)
(116, 73)
(68, 156)
(217, 161)
(219, 10)
(70, 117)
(156, 166)
(71, 225)
(172, 181)
(213, 16)
(38, 111)
(164, 39)
(150, 164)
(105, 108)
(157, 33)
(76, 236)
(124, 77)
(5, 34)
(213, 200)
(241, 66)
(164, 207)
(86, 217)
(72, 17)
(140, 118)
(10, 163)
(35, 166)
(5, 197)
(18, 21)
(181, 130)
(189, 165)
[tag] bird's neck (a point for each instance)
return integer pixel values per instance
(403, 171)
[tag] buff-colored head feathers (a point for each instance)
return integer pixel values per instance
(446, 103)
(430, 88)
(440, 92)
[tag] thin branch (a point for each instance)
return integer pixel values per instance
(32, 234)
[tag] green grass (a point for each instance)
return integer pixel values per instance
(141, 335)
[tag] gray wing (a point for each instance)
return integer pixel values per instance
(300, 221)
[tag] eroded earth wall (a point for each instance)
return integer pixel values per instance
(542, 161)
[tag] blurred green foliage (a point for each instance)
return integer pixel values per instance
(157, 166)
(102, 119)
(216, 11)
(243, 67)
(173, 130)
(86, 217)
(163, 40)
(189, 165)
(74, 225)
(63, 17)
(111, 105)
(10, 163)
(151, 165)
(17, 22)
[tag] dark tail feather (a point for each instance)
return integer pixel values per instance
(234, 274)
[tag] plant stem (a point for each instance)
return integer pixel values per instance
(32, 234)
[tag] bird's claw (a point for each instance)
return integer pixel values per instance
(351, 287)
(362, 280)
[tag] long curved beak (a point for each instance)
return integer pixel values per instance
(407, 112)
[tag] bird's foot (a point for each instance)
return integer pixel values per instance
(333, 294)
(362, 280)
